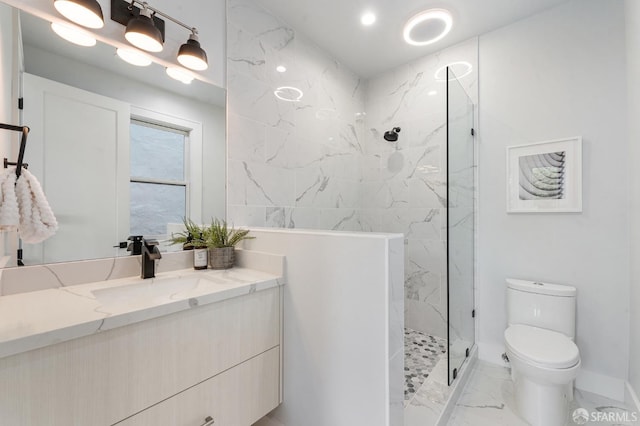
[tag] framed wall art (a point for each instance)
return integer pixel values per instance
(545, 177)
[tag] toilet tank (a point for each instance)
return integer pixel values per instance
(543, 305)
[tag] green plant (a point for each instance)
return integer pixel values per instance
(219, 234)
(194, 235)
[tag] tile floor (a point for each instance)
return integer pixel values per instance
(422, 353)
(488, 400)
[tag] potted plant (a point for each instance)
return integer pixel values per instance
(221, 240)
(192, 238)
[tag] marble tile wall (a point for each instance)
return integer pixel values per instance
(404, 183)
(295, 163)
(321, 162)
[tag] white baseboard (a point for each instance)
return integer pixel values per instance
(587, 380)
(458, 387)
(600, 384)
(631, 398)
(491, 353)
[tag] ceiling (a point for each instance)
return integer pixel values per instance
(335, 26)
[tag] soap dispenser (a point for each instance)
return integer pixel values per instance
(200, 258)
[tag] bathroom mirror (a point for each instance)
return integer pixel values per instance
(119, 150)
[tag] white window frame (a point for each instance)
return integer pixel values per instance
(193, 157)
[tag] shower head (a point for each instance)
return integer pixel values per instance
(392, 135)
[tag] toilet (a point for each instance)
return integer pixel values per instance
(540, 346)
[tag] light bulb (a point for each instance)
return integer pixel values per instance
(73, 35)
(133, 57)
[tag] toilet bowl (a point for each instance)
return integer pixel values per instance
(539, 344)
(544, 365)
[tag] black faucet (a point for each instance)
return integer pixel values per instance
(150, 252)
(135, 246)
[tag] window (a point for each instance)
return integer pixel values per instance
(159, 177)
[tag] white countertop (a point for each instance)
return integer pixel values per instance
(42, 318)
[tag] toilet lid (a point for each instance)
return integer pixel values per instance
(543, 347)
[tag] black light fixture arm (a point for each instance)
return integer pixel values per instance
(23, 143)
(146, 5)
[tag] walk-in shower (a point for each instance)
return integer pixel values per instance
(434, 355)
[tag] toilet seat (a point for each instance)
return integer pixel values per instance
(541, 347)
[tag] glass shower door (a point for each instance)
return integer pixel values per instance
(460, 225)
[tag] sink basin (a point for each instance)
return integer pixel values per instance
(150, 290)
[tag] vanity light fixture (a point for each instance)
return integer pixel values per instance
(146, 31)
(191, 55)
(179, 74)
(423, 18)
(87, 13)
(73, 35)
(133, 57)
(142, 32)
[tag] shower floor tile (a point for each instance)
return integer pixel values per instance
(422, 353)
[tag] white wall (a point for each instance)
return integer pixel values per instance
(104, 83)
(632, 15)
(560, 73)
(343, 327)
(7, 97)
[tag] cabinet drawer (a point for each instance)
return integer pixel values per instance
(237, 397)
(103, 378)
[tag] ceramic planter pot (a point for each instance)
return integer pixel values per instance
(221, 258)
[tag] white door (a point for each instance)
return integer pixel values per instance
(78, 148)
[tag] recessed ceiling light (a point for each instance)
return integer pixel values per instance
(288, 93)
(368, 18)
(281, 68)
(432, 93)
(133, 57)
(458, 69)
(434, 24)
(73, 35)
(179, 74)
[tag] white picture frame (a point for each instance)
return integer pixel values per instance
(545, 177)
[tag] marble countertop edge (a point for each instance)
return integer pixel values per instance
(26, 323)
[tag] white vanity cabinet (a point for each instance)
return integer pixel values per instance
(238, 396)
(220, 360)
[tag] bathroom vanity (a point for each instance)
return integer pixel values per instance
(186, 348)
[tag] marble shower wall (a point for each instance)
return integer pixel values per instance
(320, 162)
(404, 183)
(296, 163)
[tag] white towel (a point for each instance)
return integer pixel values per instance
(37, 222)
(9, 215)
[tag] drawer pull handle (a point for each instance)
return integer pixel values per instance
(208, 421)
